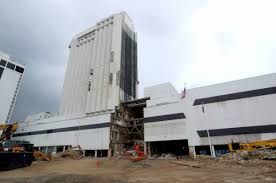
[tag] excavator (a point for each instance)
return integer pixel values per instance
(8, 130)
(15, 157)
(263, 144)
(137, 154)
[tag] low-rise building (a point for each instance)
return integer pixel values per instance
(236, 111)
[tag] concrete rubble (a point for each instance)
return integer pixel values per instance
(72, 153)
(258, 154)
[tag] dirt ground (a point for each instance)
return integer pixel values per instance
(125, 171)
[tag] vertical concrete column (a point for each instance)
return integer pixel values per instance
(149, 154)
(63, 149)
(55, 149)
(96, 153)
(214, 152)
(145, 148)
(109, 153)
(192, 152)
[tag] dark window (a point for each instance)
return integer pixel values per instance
(112, 56)
(19, 69)
(10, 66)
(49, 131)
(89, 86)
(1, 71)
(128, 77)
(91, 71)
(3, 62)
(110, 78)
(117, 78)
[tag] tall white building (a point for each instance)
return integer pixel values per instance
(102, 74)
(102, 67)
(11, 74)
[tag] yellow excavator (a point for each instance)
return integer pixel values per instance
(263, 144)
(8, 130)
(15, 157)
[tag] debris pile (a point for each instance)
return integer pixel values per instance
(136, 154)
(73, 153)
(41, 156)
(164, 156)
(257, 154)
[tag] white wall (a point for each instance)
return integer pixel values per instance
(253, 111)
(89, 139)
(8, 83)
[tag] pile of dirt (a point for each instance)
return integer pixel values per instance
(258, 154)
(41, 156)
(72, 153)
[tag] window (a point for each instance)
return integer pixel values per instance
(89, 86)
(49, 131)
(3, 62)
(19, 69)
(110, 78)
(10, 66)
(1, 71)
(91, 72)
(118, 78)
(112, 56)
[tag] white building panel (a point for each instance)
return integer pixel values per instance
(89, 139)
(11, 74)
(247, 111)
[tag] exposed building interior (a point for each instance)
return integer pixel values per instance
(175, 147)
(127, 125)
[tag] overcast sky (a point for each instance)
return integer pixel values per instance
(198, 42)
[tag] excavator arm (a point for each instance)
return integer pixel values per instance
(8, 130)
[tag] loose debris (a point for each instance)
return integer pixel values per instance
(257, 154)
(164, 156)
(72, 153)
(188, 165)
(41, 156)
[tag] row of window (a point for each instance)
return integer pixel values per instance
(90, 36)
(11, 66)
(110, 79)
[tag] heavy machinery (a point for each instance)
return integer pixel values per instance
(15, 157)
(8, 130)
(264, 144)
(137, 154)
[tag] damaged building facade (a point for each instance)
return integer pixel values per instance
(100, 110)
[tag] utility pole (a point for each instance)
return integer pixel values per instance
(213, 154)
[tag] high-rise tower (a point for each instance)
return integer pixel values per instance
(102, 67)
(11, 74)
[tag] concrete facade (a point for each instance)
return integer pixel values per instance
(11, 74)
(248, 117)
(237, 111)
(102, 67)
(91, 133)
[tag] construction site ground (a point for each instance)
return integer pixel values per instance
(156, 170)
